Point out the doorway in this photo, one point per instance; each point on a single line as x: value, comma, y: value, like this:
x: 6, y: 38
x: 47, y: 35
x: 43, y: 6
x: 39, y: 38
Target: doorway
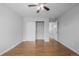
x: 39, y: 34
x: 53, y: 29
x: 39, y: 30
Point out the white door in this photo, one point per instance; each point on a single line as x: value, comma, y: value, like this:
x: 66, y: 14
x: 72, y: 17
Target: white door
x: 53, y: 30
x: 39, y: 29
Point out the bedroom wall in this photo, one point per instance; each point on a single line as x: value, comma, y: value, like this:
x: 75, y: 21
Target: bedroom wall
x: 10, y: 28
x: 69, y: 29
x: 46, y: 28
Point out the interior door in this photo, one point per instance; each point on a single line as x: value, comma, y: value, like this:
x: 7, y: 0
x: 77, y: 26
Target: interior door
x: 39, y: 30
x: 39, y: 34
x: 53, y: 30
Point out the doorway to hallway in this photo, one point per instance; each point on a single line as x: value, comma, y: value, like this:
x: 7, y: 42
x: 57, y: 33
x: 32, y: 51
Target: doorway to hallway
x: 39, y: 30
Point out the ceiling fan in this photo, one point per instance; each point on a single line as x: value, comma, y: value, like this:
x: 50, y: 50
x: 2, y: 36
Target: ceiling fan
x: 40, y: 6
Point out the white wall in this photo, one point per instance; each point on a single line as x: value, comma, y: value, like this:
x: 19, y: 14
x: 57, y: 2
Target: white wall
x: 46, y: 28
x: 30, y: 31
x: 10, y: 28
x: 69, y: 29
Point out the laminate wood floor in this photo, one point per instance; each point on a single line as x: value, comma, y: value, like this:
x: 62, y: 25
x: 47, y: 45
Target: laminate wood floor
x: 40, y: 48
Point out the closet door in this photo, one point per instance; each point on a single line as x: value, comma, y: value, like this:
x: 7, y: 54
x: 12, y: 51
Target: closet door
x: 39, y: 30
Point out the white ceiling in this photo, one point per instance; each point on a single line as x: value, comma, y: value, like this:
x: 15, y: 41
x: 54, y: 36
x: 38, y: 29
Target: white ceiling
x: 56, y: 9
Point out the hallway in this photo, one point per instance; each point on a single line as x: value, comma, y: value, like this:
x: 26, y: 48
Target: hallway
x: 41, y: 48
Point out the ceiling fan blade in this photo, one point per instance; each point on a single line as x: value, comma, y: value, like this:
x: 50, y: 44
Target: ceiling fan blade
x: 46, y: 8
x: 32, y: 5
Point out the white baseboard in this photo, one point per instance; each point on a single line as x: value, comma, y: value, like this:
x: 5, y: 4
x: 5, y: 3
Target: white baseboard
x: 69, y: 47
x: 28, y: 40
x: 23, y: 40
x: 47, y: 40
x: 10, y: 48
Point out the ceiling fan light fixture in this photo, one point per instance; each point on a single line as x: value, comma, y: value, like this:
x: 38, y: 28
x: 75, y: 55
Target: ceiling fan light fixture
x: 40, y: 6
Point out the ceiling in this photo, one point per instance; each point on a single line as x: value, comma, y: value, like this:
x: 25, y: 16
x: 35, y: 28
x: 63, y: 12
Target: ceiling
x: 56, y: 9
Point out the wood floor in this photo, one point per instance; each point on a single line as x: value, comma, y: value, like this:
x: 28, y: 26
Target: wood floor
x: 40, y: 48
